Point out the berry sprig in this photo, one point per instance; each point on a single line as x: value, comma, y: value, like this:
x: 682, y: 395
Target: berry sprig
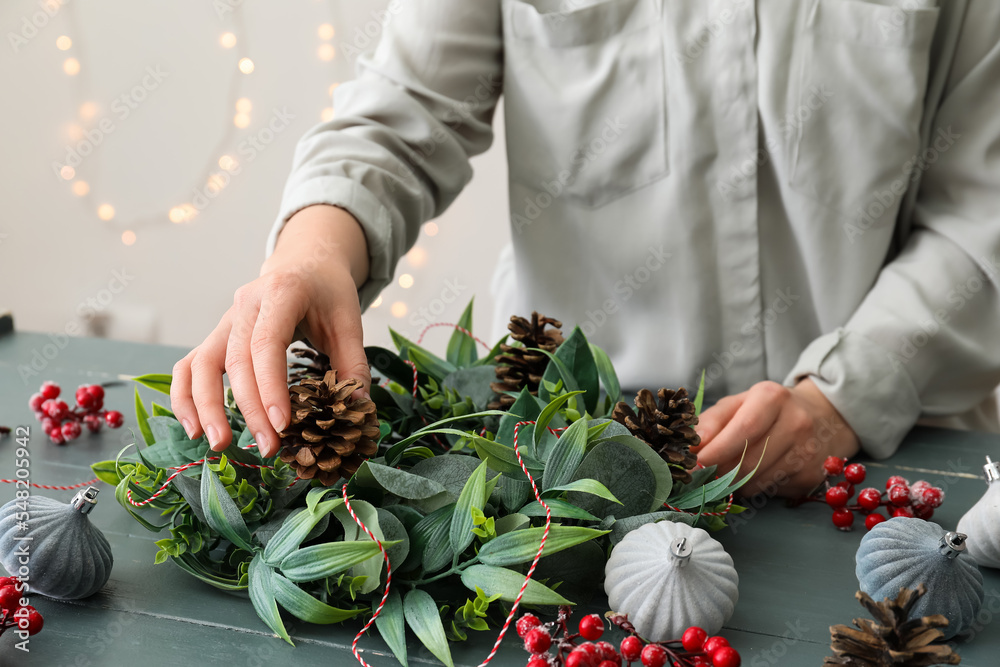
x: 12, y: 614
x: 63, y: 424
x: 900, y: 498
x: 582, y: 648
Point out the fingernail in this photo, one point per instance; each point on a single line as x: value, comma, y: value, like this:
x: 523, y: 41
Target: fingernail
x: 277, y: 419
x: 213, y: 436
x: 188, y: 428
x: 263, y: 442
x: 367, y: 395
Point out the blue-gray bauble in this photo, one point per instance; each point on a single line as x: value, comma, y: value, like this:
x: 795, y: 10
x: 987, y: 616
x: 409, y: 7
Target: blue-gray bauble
x: 903, y: 552
x: 53, y: 546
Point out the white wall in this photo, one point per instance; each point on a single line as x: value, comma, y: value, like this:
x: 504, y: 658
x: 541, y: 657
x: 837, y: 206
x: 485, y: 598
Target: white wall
x: 55, y: 252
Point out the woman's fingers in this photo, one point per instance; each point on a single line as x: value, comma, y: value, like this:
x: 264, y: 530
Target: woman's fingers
x: 181, y: 402
x: 207, y: 367
x: 749, y: 423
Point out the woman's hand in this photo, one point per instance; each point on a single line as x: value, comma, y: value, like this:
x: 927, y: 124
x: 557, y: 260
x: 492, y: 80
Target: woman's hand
x: 800, y: 426
x: 308, y: 287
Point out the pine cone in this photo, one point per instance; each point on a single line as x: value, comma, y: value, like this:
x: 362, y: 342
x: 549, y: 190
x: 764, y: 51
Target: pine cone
x: 309, y: 363
x: 667, y: 427
x: 331, y: 434
x: 517, y: 367
x: 892, y: 639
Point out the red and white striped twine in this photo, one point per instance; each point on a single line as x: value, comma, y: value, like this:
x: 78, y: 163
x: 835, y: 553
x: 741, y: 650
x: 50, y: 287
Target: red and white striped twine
x: 468, y: 333
x: 50, y: 487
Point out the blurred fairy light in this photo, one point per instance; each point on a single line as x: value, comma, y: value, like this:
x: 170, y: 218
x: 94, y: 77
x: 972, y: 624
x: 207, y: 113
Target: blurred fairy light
x: 81, y: 188
x: 68, y: 173
x: 227, y: 40
x: 406, y: 281
x: 176, y: 215
x: 377, y: 302
x: 64, y: 43
x: 241, y: 120
x: 128, y: 237
x: 417, y: 257
x: 431, y: 229
x: 246, y: 65
x: 228, y: 162
x: 327, y: 114
x: 215, y: 183
x: 71, y: 66
x: 326, y: 31
x: 333, y: 87
x: 105, y: 212
x: 326, y: 52
x: 399, y: 309
x: 244, y: 105
x: 88, y: 110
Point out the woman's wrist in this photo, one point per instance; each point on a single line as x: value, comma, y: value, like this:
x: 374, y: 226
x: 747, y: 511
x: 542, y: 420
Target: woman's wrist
x: 324, y: 236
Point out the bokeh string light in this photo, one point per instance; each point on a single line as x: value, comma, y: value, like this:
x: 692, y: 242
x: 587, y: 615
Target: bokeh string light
x: 212, y: 181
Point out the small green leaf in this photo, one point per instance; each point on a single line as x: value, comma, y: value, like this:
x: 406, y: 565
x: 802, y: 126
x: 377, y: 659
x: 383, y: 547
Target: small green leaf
x: 142, y: 419
x: 507, y: 584
x: 511, y: 522
x: 221, y: 512
x: 294, y: 530
x: 106, y: 471
x: 304, y: 606
x: 431, y: 364
x: 261, y: 589
x: 559, y: 508
x: 607, y: 374
x: 390, y: 625
x: 328, y: 559
x: 461, y: 346
x: 575, y: 364
x: 160, y: 411
x: 472, y: 496
x: 371, y: 568
x: 521, y: 546
x: 422, y: 616
x: 591, y: 486
x: 157, y: 381
x: 548, y: 412
x: 699, y: 398
x: 566, y: 455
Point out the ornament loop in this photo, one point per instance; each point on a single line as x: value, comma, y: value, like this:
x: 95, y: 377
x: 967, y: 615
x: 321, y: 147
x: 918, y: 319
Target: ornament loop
x: 952, y: 544
x: 85, y: 500
x: 991, y: 470
x: 681, y: 550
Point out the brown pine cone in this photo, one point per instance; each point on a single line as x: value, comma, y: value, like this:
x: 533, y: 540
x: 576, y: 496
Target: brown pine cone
x: 667, y: 426
x: 517, y: 367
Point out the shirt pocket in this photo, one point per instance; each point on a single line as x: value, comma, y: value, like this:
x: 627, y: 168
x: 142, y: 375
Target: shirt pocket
x: 584, y: 97
x: 855, y: 114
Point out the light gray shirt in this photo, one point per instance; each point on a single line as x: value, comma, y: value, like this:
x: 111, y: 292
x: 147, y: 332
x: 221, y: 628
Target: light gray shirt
x: 765, y: 190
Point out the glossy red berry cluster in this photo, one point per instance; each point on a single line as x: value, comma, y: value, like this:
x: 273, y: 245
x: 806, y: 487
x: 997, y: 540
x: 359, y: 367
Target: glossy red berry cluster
x: 62, y: 423
x: 23, y: 618
x: 583, y: 648
x: 900, y: 498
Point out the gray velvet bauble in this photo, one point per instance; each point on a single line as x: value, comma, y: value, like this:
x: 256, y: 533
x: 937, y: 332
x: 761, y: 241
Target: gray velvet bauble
x: 669, y: 576
x: 982, y: 522
x: 53, y: 546
x: 903, y: 552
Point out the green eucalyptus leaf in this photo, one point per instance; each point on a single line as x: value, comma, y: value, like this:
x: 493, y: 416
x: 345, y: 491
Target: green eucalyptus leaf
x: 395, y: 452
x: 422, y: 616
x: 511, y: 522
x: 394, y: 531
x: 521, y: 546
x: 156, y: 381
x: 606, y: 373
x: 262, y: 596
x: 429, y: 543
x: 659, y: 467
x: 397, y: 482
x: 473, y: 382
x: 390, y: 366
x: 473, y: 496
x: 391, y: 625
x: 575, y: 364
x: 429, y: 363
x: 515, y: 491
x: 566, y: 455
x: 507, y: 584
x: 449, y: 471
x: 559, y: 509
x: 591, y: 486
x: 221, y: 513
x: 621, y: 527
x: 328, y: 559
x: 525, y: 408
x: 462, y: 346
x: 304, y: 606
x: 295, y: 529
x: 166, y: 428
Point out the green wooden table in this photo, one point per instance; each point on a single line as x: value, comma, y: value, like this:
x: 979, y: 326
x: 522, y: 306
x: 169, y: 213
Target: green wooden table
x: 796, y: 570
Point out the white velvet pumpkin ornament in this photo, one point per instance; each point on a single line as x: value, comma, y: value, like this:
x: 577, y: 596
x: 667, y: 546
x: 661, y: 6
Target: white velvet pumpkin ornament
x: 982, y: 522
x: 669, y: 576
x: 68, y: 558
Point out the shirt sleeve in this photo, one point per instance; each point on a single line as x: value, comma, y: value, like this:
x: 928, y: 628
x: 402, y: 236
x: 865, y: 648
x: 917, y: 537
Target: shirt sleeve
x: 925, y: 339
x: 397, y: 152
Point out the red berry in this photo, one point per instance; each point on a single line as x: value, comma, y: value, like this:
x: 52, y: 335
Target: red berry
x: 610, y: 663
x: 537, y: 640
x: 608, y: 652
x: 836, y: 496
x: 35, y: 402
x: 538, y: 661
x: 843, y: 518
x: 855, y: 473
x: 902, y: 511
x: 870, y: 498
x: 899, y: 495
x: 848, y: 486
x: 56, y: 436
x: 713, y: 644
x: 578, y: 657
x: 10, y: 599
x: 50, y: 390
x: 84, y: 399
x: 8, y: 581
x: 917, y: 488
x: 894, y: 480
x: 694, y: 637
x: 114, y: 418
x: 699, y: 661
x: 833, y: 466
x: 932, y: 497
x: 873, y: 520
x: 922, y: 511
x: 56, y: 409
x: 97, y: 391
x: 526, y: 623
x: 726, y: 657
x: 654, y: 655
x: 631, y: 648
x: 71, y: 430
x: 48, y: 424
x: 591, y: 627
x: 93, y: 423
